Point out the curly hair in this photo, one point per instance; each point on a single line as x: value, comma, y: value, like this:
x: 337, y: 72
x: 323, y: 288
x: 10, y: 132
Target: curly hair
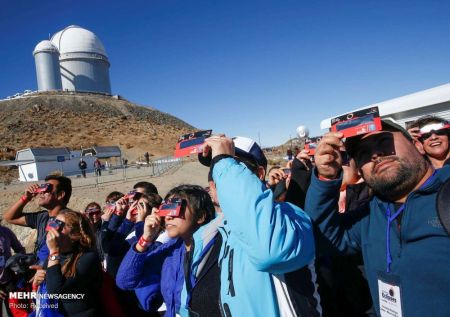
x: 82, y: 235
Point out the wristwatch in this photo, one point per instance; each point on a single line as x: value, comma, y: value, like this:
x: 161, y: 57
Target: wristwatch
x: 54, y: 257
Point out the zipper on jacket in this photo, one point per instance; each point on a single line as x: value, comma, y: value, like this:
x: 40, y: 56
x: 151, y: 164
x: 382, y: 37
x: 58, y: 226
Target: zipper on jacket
x: 230, y: 275
x: 225, y: 248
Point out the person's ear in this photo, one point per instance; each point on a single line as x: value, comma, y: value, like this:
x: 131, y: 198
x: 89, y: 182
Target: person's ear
x: 261, y: 173
x: 419, y: 147
x: 61, y: 195
x: 201, y: 220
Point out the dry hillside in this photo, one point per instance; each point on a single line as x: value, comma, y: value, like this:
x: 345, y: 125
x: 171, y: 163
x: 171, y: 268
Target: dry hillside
x: 74, y: 120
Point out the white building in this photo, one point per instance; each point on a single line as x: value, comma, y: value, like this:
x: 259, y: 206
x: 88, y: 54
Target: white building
x: 435, y: 101
x: 36, y: 163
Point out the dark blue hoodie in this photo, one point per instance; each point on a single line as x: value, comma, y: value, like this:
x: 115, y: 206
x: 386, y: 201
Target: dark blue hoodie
x: 419, y: 246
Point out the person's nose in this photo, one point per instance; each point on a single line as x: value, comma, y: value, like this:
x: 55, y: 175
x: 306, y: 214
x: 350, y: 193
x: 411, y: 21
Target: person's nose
x: 433, y: 136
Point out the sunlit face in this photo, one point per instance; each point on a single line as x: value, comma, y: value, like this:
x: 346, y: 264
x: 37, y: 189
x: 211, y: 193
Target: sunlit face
x: 436, y: 145
x: 183, y: 226
x: 394, y: 176
x: 49, y: 199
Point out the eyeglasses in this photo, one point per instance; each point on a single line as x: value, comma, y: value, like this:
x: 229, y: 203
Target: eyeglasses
x: 380, y: 144
x: 426, y: 136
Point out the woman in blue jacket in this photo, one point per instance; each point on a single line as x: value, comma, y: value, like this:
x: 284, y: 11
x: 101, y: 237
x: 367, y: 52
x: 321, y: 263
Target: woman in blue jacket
x: 146, y: 264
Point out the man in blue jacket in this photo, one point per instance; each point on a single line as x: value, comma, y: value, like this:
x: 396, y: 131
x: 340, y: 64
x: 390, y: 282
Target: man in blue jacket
x: 405, y: 248
x: 267, y: 247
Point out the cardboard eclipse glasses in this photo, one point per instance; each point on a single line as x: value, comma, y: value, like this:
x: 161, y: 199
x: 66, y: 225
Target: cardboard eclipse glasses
x: 172, y: 207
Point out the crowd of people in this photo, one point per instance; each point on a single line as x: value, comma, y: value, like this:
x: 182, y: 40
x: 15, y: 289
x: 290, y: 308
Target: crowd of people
x: 351, y: 231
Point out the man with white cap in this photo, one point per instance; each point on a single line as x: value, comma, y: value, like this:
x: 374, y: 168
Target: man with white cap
x: 268, y: 250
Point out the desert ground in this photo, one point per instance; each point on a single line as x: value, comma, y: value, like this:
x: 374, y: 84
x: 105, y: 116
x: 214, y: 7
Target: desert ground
x: 86, y: 190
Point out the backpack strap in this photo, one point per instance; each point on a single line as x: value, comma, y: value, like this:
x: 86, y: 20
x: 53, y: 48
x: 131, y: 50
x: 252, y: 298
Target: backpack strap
x: 443, y: 205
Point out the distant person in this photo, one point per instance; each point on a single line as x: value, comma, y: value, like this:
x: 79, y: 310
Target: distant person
x: 147, y: 158
x: 53, y: 197
x: 98, y: 167
x: 82, y: 166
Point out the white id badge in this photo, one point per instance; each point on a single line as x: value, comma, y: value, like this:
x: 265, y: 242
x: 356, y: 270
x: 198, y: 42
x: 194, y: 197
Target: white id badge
x: 2, y: 261
x: 389, y: 298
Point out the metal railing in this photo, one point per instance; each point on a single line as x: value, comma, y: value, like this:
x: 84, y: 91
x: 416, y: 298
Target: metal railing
x: 119, y: 173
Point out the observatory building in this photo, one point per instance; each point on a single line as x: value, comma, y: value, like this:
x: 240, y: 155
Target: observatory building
x: 74, y: 60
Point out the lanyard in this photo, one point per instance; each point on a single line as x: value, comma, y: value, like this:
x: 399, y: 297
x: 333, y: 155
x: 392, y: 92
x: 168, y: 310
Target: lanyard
x: 391, y: 218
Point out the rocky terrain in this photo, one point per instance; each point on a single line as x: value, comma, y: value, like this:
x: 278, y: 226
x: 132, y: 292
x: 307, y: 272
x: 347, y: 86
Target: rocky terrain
x: 75, y: 120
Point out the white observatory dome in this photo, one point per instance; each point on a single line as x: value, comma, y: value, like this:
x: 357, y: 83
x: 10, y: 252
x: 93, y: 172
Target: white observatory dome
x: 73, y: 60
x: 75, y: 39
x: 45, y: 46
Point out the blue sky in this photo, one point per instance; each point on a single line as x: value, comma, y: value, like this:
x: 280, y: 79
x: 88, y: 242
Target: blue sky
x: 244, y: 67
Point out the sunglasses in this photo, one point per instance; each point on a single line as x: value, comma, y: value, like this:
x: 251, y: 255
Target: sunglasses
x: 381, y: 144
x: 426, y: 136
x: 92, y: 211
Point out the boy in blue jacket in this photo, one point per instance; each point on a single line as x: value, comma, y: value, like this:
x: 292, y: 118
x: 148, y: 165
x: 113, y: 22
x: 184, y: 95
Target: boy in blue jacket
x: 405, y: 249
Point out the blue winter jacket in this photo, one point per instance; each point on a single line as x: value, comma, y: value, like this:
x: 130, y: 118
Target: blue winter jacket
x: 161, y: 270
x: 261, y: 238
x: 162, y: 266
x: 419, y: 246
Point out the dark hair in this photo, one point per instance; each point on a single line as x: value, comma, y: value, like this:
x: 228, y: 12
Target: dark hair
x: 149, y: 188
x: 198, y: 200
x: 92, y: 204
x: 423, y: 121
x: 114, y: 196
x: 154, y: 200
x: 64, y: 185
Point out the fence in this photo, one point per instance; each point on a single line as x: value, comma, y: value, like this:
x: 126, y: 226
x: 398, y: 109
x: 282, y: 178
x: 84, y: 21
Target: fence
x: 121, y: 173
